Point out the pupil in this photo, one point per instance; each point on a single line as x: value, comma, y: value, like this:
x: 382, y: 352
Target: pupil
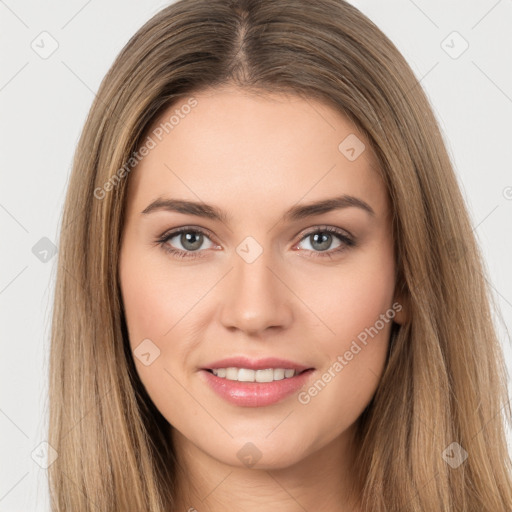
x: 325, y: 243
x: 191, y: 241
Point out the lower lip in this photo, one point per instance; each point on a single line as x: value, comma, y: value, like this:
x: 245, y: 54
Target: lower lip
x: 256, y: 394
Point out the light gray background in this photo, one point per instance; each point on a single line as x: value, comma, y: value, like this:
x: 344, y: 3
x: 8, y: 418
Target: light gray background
x: 44, y: 103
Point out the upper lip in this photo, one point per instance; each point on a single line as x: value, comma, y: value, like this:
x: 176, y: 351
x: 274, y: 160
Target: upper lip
x: 256, y: 364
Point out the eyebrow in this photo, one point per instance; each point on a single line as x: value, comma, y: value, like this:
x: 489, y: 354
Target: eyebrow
x: 295, y: 213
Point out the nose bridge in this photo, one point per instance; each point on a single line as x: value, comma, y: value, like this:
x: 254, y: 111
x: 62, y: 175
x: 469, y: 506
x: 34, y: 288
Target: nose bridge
x: 256, y: 298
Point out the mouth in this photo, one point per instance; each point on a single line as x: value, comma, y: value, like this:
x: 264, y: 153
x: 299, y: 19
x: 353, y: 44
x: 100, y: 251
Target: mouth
x: 246, y: 387
x: 247, y: 382
x: 250, y: 375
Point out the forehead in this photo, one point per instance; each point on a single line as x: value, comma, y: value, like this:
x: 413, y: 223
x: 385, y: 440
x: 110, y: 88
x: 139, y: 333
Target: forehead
x: 248, y: 152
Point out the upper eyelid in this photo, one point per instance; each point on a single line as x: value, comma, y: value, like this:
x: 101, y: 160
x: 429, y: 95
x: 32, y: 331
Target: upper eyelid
x: 320, y: 227
x: 171, y: 233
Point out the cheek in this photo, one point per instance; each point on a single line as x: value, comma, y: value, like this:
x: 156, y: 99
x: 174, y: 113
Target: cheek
x: 350, y: 298
x: 356, y: 305
x: 156, y: 295
x: 164, y: 311
x: 156, y: 301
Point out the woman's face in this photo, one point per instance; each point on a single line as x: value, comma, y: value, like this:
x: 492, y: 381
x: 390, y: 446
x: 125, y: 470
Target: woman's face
x: 240, y: 174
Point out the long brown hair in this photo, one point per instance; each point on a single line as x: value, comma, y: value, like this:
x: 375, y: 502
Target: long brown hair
x: 445, y: 379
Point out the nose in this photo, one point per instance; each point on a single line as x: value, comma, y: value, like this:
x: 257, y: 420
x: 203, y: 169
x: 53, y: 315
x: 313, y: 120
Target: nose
x: 256, y: 297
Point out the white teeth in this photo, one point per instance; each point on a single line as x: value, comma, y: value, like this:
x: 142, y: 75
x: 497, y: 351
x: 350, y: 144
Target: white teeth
x: 248, y: 375
x: 245, y: 375
x: 265, y: 375
x: 232, y: 373
x: 278, y: 374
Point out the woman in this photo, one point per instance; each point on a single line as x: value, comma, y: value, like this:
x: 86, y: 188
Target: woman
x: 270, y: 295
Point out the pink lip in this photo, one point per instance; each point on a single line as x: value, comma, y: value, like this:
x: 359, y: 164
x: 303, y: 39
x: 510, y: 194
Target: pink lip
x: 258, y: 364
x: 255, y: 394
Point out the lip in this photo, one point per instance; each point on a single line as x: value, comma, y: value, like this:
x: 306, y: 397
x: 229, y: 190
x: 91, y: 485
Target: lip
x: 255, y: 364
x: 255, y: 394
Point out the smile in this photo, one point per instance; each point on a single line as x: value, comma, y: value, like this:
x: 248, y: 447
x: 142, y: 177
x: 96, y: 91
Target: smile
x: 252, y: 392
x: 248, y: 375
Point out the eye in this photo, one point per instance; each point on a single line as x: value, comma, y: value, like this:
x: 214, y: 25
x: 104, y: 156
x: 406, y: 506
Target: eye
x: 190, y: 239
x: 321, y: 239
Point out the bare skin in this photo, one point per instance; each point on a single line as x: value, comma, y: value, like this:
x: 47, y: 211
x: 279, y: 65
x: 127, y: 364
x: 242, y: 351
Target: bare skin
x: 255, y: 157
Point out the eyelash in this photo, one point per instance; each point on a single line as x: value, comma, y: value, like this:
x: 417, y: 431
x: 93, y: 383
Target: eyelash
x: 347, y: 242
